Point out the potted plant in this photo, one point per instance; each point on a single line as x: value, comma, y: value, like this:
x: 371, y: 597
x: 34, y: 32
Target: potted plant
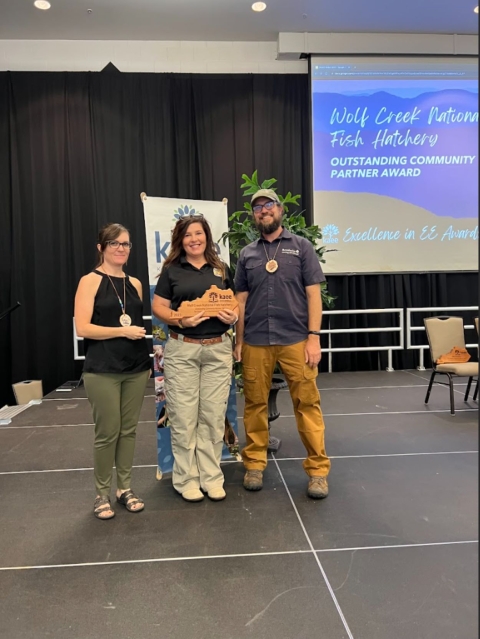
x: 243, y: 231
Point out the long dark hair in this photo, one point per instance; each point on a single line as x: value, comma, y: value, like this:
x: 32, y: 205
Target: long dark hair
x: 179, y: 232
x: 106, y: 234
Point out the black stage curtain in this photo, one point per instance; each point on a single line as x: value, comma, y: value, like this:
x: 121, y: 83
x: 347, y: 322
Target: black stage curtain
x: 77, y: 149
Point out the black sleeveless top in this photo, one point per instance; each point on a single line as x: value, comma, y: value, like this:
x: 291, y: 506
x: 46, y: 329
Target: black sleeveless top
x: 120, y: 354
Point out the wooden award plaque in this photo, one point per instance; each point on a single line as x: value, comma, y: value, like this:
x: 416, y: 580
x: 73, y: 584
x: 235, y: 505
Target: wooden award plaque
x: 211, y: 303
x: 456, y: 356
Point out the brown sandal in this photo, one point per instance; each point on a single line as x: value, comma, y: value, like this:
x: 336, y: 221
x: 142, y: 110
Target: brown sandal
x: 129, y: 499
x: 101, y: 505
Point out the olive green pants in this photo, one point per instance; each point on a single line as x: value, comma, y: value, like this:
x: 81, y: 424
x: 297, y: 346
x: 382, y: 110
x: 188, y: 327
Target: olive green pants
x: 116, y: 401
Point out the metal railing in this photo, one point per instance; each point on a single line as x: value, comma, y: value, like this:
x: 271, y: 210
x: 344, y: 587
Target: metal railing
x: 76, y: 340
x: 328, y: 331
x: 355, y: 349
x: 411, y: 328
x: 405, y: 332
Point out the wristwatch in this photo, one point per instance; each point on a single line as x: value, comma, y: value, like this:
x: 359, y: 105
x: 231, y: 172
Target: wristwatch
x: 314, y: 332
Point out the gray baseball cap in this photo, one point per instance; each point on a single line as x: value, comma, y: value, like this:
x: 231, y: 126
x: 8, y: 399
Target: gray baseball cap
x: 269, y: 193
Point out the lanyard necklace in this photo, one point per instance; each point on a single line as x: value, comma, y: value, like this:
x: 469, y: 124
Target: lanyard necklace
x: 272, y: 264
x: 125, y: 320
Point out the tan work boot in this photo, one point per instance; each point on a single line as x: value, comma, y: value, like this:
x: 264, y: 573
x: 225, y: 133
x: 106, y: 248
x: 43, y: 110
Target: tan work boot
x: 253, y: 480
x: 317, y: 488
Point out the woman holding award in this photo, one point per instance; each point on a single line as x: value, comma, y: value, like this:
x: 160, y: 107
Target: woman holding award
x: 197, y: 359
x: 109, y: 315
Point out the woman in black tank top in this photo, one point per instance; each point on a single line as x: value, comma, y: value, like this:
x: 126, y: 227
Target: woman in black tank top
x: 109, y: 316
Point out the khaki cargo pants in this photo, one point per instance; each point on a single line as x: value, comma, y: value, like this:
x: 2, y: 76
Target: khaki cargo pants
x: 197, y: 386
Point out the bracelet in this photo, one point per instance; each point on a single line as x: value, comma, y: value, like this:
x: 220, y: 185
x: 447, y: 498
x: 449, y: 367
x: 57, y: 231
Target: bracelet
x: 180, y: 323
x: 236, y: 320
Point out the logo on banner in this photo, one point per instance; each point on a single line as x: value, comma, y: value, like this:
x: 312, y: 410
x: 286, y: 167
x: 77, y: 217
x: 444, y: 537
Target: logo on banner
x: 329, y: 232
x: 161, y: 250
x: 182, y: 211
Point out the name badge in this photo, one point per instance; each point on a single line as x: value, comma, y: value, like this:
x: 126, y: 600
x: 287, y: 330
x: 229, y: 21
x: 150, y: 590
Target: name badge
x: 217, y: 272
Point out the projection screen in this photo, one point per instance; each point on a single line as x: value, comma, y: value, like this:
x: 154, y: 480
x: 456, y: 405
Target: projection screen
x: 395, y: 163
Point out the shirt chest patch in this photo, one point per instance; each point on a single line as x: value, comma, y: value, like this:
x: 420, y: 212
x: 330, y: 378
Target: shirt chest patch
x: 293, y: 252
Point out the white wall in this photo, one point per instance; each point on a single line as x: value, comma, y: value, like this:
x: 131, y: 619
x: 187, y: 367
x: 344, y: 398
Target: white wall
x: 218, y: 57
x: 146, y: 57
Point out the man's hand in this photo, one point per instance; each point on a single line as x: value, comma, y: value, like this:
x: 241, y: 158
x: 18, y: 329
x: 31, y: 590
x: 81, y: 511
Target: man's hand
x: 237, y: 352
x: 313, y: 351
x: 228, y: 317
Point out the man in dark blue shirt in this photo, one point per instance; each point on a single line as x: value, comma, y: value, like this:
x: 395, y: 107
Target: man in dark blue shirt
x: 280, y: 311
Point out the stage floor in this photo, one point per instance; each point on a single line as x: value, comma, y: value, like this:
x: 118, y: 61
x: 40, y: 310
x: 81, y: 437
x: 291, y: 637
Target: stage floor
x: 392, y: 553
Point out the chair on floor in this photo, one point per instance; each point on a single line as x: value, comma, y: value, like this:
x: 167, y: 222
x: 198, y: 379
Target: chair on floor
x: 475, y: 393
x: 443, y: 334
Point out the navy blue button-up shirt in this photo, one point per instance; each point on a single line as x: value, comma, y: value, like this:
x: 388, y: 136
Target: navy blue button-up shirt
x: 276, y: 311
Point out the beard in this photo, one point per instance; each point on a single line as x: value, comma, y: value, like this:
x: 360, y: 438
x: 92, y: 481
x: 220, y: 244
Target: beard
x: 268, y: 227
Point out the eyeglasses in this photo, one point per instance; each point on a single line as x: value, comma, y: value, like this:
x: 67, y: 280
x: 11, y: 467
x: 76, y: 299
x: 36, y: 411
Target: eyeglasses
x: 114, y: 244
x: 258, y: 208
x: 181, y: 214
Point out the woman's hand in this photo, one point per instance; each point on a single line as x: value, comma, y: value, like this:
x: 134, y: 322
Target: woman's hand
x: 134, y: 332
x: 228, y: 317
x: 195, y: 320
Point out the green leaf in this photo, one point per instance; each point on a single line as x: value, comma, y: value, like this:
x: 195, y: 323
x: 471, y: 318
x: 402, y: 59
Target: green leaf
x: 267, y: 184
x: 250, y: 184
